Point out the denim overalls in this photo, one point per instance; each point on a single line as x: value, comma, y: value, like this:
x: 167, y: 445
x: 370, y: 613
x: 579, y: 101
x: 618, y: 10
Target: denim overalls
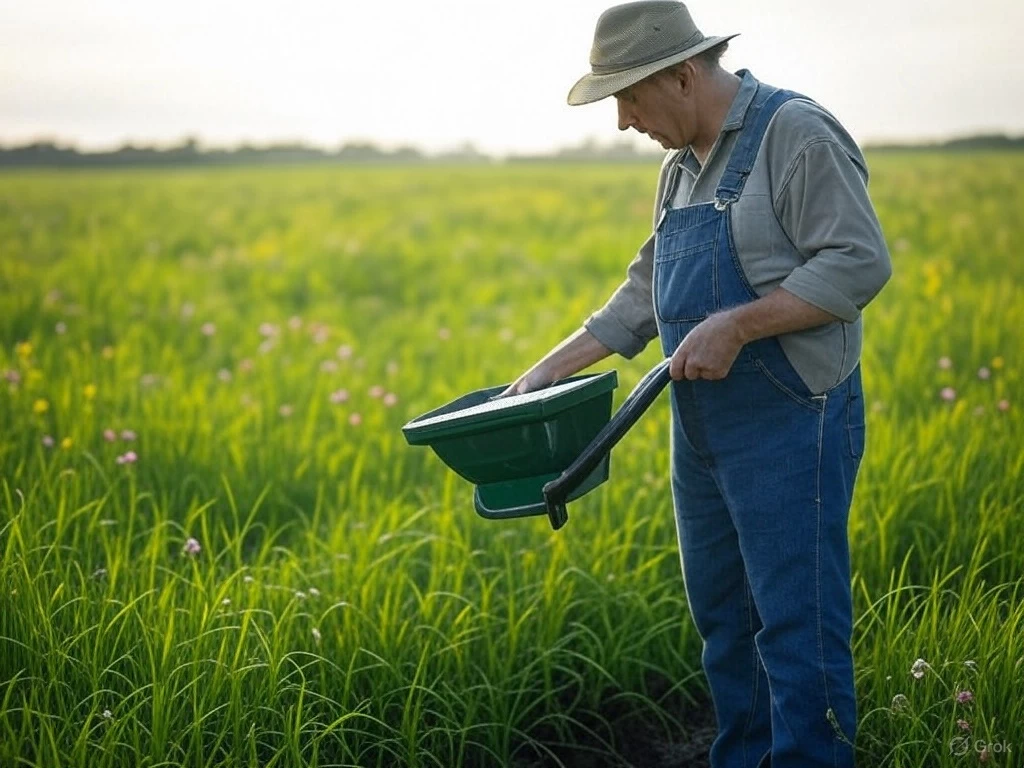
x: 762, y: 478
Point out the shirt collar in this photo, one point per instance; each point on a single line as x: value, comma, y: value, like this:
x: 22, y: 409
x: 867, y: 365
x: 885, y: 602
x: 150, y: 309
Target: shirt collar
x: 738, y: 109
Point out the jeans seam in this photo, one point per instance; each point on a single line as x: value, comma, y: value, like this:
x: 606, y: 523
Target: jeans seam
x: 733, y: 256
x: 685, y: 252
x: 817, y: 567
x: 753, y: 667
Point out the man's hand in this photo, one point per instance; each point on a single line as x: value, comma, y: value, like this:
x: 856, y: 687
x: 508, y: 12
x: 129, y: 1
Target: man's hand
x: 536, y: 378
x: 580, y: 350
x: 709, y: 350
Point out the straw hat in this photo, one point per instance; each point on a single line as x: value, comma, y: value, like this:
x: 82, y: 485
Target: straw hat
x: 635, y: 40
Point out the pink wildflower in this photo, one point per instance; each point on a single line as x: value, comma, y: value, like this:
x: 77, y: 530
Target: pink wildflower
x: 208, y: 329
x: 964, y: 697
x: 191, y: 546
x: 268, y: 329
x: 128, y: 458
x: 376, y: 390
x: 1004, y: 405
x: 285, y: 410
x: 344, y: 352
x: 948, y: 394
x: 224, y: 374
x: 12, y: 376
x: 47, y: 441
x: 245, y: 365
x: 109, y: 435
x: 339, y: 396
x: 984, y: 373
x: 61, y: 328
x: 128, y: 435
x: 295, y: 322
x: 390, y: 399
x: 329, y: 366
x: 945, y: 363
x: 963, y: 725
x: 355, y: 419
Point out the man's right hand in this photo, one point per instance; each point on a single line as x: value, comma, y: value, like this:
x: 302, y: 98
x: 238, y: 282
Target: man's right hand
x: 534, y: 379
x: 578, y: 351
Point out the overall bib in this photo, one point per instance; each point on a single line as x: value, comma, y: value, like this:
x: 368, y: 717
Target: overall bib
x: 763, y: 473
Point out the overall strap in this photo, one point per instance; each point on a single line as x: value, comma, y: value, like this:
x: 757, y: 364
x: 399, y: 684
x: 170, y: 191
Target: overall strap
x: 762, y: 109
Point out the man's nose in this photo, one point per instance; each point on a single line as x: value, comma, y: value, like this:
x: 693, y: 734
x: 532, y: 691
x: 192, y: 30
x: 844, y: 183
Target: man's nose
x: 626, y: 117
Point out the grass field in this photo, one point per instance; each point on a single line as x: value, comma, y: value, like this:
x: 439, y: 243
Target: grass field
x: 216, y: 547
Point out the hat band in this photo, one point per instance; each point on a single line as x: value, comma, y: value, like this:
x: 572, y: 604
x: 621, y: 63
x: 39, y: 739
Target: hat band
x: 608, y: 69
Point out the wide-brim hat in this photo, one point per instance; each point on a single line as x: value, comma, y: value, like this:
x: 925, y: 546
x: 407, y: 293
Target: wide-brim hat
x: 635, y: 40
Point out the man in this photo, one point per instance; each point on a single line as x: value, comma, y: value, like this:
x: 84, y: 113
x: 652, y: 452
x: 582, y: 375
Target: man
x: 765, y: 249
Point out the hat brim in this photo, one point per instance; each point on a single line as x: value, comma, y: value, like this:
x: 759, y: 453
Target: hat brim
x: 591, y: 87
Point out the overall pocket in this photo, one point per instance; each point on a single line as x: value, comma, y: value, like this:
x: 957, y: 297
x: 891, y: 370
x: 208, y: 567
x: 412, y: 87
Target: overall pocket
x: 794, y: 390
x: 684, y: 279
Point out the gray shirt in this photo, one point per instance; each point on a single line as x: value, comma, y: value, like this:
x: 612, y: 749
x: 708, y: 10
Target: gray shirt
x: 804, y: 222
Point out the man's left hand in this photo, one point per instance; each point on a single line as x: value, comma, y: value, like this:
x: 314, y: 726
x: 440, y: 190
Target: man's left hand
x: 709, y: 350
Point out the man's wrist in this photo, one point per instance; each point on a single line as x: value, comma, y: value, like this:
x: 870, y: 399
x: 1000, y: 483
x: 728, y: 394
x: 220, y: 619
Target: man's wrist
x: 739, y: 321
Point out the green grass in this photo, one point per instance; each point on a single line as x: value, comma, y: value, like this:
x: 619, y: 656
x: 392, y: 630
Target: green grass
x: 347, y: 606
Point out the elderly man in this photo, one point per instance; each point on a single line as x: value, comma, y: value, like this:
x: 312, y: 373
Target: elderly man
x: 765, y: 248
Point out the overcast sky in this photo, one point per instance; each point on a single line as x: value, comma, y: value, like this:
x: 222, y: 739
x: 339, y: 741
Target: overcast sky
x: 435, y: 74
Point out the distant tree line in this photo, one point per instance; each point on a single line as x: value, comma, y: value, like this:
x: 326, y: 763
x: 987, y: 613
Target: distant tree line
x: 981, y: 142
x: 188, y: 153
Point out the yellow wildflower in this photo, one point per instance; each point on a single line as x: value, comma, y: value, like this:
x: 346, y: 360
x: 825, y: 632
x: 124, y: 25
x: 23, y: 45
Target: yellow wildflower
x: 40, y: 406
x: 998, y: 362
x: 24, y: 349
x: 108, y: 352
x: 66, y: 443
x: 89, y: 390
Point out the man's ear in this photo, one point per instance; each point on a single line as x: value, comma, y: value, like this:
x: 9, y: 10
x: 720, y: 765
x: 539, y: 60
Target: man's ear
x: 685, y: 75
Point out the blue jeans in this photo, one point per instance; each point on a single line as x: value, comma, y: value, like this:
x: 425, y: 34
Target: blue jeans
x: 762, y: 506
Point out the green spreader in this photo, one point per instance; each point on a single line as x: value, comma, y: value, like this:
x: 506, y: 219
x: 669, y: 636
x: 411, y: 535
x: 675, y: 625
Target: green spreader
x: 531, y: 454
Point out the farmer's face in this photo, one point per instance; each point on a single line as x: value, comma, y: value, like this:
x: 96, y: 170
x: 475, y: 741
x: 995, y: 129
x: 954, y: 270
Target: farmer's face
x: 662, y: 106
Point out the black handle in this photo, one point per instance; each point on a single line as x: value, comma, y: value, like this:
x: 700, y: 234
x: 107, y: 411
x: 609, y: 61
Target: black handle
x: 646, y: 392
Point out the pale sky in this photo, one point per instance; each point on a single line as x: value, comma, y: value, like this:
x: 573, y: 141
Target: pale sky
x: 435, y: 74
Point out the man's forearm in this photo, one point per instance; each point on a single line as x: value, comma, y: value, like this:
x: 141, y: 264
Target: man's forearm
x: 777, y: 313
x: 576, y: 352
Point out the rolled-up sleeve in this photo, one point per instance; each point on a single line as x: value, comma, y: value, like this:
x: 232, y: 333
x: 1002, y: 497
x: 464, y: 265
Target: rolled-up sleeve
x: 823, y: 206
